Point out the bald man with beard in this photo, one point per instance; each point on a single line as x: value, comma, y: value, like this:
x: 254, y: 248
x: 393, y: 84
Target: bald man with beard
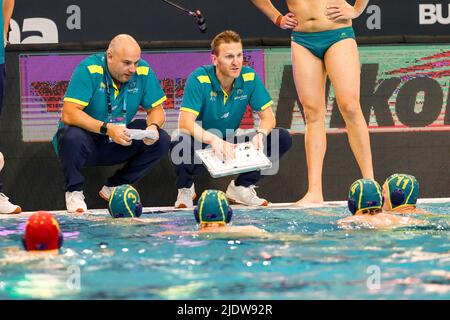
x: 103, y: 97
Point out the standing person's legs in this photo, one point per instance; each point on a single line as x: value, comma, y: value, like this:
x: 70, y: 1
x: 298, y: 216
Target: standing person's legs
x: 5, y: 206
x: 310, y: 80
x: 346, y: 84
x: 2, y: 85
x: 2, y: 163
x: 2, y: 93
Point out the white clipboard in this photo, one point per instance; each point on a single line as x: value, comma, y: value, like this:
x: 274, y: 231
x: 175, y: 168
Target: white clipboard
x: 247, y: 159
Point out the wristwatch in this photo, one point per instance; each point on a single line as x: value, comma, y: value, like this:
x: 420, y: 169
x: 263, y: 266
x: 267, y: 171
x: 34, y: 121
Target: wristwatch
x: 103, y: 128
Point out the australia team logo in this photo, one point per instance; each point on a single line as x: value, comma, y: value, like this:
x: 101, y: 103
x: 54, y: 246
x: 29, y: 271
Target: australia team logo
x: 132, y: 87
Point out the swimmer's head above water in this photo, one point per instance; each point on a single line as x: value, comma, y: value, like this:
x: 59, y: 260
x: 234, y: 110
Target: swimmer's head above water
x: 125, y: 202
x: 365, y: 197
x: 42, y: 233
x: 400, y: 191
x: 213, y: 209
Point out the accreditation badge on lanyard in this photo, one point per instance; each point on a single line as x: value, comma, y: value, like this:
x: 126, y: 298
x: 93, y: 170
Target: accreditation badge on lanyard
x: 121, y: 120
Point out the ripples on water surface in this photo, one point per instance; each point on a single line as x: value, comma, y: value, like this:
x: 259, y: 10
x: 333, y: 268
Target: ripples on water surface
x: 306, y: 257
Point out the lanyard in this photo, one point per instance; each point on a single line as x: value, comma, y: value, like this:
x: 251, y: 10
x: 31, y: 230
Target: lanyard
x: 108, y: 100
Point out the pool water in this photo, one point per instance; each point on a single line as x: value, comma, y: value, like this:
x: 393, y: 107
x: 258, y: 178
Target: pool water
x: 307, y: 256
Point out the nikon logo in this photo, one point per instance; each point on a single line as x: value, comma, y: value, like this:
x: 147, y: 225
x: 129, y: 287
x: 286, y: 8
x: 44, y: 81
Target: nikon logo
x: 432, y: 14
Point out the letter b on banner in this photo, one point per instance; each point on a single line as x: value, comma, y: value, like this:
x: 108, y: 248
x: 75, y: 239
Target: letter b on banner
x: 432, y: 13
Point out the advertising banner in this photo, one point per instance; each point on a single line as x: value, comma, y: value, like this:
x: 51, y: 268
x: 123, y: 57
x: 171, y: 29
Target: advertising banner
x: 64, y: 21
x: 403, y: 89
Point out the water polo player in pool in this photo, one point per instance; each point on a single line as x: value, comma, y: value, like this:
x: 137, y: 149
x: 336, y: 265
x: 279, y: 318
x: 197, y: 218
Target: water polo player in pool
x: 365, y: 202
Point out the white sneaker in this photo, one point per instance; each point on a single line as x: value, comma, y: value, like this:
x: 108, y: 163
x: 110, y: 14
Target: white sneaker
x: 7, y: 207
x: 244, y: 195
x: 185, y: 198
x: 106, y: 192
x: 75, y: 202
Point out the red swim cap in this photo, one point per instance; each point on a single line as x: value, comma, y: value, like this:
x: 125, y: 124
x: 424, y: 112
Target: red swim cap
x: 42, y: 232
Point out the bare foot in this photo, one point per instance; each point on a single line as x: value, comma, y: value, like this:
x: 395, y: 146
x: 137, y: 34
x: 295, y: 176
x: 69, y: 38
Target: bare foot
x: 310, y: 198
